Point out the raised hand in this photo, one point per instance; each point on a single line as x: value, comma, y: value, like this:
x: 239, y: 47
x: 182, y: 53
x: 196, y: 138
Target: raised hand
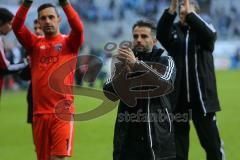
x: 173, y: 6
x: 126, y: 54
x: 63, y: 2
x: 189, y: 8
x: 186, y: 5
x: 27, y: 3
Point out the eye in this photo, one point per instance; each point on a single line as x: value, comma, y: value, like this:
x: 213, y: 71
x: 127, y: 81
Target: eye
x: 42, y: 18
x: 144, y: 36
x: 135, y: 36
x: 51, y: 17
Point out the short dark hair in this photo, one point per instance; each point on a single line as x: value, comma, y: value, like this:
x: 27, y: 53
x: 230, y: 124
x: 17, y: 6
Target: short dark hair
x: 5, y: 16
x: 47, y: 5
x: 146, y: 23
x: 194, y: 3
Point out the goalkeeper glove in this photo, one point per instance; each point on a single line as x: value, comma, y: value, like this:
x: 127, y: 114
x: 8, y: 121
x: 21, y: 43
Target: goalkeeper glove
x: 63, y: 2
x: 27, y: 3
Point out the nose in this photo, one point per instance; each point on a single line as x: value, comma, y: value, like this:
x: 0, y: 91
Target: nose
x: 139, y: 39
x: 47, y: 20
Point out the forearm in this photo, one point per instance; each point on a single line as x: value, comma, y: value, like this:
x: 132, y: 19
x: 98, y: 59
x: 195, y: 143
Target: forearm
x: 20, y: 17
x: 13, y: 68
x: 73, y: 19
x: 160, y: 71
x: 25, y: 74
x: 76, y: 36
x: 201, y: 27
x: 6, y: 72
x: 164, y: 27
x: 109, y: 91
x: 16, y: 67
x: 23, y: 35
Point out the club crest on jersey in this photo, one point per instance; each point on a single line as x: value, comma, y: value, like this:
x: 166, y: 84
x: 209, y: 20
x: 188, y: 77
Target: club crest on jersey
x: 58, y: 47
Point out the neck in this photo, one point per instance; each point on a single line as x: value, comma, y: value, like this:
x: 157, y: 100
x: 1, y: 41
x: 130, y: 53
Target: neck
x: 51, y: 35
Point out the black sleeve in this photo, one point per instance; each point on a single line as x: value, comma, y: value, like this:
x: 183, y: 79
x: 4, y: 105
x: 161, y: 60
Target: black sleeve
x: 170, y: 73
x: 108, y: 87
x: 206, y: 32
x: 165, y: 73
x: 109, y: 91
x: 13, y: 68
x: 164, y: 29
x: 25, y: 74
x: 6, y: 72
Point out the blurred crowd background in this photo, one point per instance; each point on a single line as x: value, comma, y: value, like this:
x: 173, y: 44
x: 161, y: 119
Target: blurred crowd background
x: 111, y: 20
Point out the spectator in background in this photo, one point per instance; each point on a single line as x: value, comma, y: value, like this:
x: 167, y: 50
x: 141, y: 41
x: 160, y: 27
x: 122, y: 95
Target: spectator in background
x: 37, y: 28
x: 235, y: 63
x: 234, y: 28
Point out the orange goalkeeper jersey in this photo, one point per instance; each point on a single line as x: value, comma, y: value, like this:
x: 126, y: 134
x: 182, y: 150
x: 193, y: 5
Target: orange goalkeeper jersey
x: 47, y: 55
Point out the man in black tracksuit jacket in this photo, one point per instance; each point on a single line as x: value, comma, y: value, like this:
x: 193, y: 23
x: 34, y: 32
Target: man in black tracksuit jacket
x: 142, y: 132
x: 191, y: 42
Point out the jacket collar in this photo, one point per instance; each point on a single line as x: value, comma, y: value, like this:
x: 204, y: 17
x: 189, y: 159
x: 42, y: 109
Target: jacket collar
x: 156, y: 52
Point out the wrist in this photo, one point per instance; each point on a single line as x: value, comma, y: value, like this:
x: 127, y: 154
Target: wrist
x: 172, y: 10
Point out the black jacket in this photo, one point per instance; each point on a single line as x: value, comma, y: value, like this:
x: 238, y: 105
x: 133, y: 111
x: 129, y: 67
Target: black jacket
x: 159, y: 135
x: 191, y: 48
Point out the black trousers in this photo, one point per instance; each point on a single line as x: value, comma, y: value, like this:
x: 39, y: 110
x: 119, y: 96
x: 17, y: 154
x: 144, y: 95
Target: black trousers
x: 136, y: 148
x: 206, y: 128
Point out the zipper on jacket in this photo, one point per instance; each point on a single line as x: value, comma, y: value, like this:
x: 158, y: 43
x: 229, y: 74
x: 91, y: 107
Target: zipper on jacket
x: 187, y: 67
x: 149, y: 129
x: 198, y: 85
x: 170, y: 123
x: 168, y: 115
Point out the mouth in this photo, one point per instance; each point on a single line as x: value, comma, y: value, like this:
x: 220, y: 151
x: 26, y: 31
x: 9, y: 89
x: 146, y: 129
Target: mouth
x: 48, y: 27
x: 139, y: 46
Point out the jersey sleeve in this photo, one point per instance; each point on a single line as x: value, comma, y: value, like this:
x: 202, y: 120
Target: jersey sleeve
x: 24, y: 36
x: 76, y: 36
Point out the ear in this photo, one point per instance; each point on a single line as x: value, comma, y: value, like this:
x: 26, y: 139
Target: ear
x: 11, y: 21
x: 155, y: 41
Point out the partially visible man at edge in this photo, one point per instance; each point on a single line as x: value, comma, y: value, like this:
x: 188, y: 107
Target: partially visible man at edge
x: 5, y: 27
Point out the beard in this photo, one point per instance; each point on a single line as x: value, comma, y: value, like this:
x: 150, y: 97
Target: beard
x: 49, y: 30
x: 141, y: 48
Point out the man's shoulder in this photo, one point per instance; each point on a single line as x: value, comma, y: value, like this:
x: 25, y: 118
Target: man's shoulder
x: 166, y: 60
x: 160, y: 54
x: 157, y: 52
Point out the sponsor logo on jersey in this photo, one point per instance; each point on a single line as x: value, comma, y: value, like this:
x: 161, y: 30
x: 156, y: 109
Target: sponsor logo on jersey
x: 43, y: 47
